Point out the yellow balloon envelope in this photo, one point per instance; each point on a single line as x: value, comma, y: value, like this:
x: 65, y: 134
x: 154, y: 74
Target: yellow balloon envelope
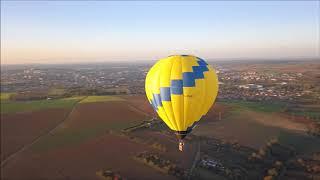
x: 181, y: 89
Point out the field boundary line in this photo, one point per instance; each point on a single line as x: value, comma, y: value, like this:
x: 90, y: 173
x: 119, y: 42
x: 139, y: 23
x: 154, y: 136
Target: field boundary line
x: 138, y: 110
x: 37, y: 139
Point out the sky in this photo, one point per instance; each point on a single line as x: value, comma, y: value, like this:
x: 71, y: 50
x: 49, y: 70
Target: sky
x: 98, y: 31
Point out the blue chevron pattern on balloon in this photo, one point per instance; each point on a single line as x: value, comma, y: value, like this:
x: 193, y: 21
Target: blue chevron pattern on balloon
x: 188, y: 80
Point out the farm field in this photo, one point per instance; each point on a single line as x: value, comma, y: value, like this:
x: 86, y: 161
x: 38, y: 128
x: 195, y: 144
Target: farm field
x: 23, y: 122
x: 90, y: 134
x: 90, y: 120
x: 310, y: 110
x: 252, y: 125
x: 18, y: 129
x: 140, y: 102
x: 90, y: 139
x: 83, y: 160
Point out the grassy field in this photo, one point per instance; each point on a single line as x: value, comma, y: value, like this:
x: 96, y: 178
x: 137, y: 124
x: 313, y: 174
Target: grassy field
x: 18, y: 106
x: 56, y: 91
x: 256, y: 106
x: 310, y: 111
x: 93, y: 99
x: 5, y: 96
x: 8, y: 106
x: 301, y: 143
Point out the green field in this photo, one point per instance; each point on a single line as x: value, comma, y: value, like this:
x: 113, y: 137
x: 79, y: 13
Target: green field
x: 309, y: 111
x: 92, y: 99
x: 56, y: 91
x: 21, y: 106
x: 8, y: 106
x: 302, y: 143
x: 256, y: 106
x: 5, y: 96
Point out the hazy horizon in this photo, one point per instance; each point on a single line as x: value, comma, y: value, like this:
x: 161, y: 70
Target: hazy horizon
x: 85, y: 32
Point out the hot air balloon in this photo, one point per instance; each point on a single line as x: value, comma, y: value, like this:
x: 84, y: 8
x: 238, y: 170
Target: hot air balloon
x: 181, y: 89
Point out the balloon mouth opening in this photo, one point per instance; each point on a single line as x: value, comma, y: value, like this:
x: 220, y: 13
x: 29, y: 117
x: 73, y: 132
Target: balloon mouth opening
x: 182, y: 134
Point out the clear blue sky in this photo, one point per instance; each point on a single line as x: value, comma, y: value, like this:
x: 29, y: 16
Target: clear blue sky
x: 72, y: 31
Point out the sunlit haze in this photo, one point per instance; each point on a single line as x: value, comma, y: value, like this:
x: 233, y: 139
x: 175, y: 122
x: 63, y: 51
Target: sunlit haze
x: 83, y: 31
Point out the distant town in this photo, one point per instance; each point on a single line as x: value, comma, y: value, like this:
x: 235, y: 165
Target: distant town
x: 264, y: 85
x: 235, y: 83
